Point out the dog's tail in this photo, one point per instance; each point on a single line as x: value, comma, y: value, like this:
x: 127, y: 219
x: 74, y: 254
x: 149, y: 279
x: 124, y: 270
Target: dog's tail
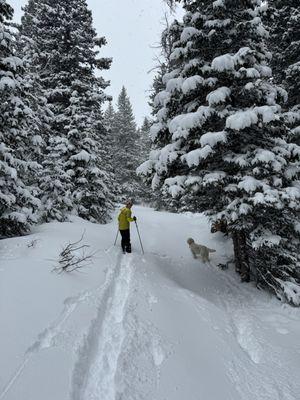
x: 211, y: 250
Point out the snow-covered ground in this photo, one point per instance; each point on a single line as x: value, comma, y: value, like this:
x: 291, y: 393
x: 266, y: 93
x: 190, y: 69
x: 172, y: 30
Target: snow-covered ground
x: 162, y: 326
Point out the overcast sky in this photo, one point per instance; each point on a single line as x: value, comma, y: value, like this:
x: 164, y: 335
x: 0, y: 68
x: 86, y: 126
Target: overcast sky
x: 132, y: 29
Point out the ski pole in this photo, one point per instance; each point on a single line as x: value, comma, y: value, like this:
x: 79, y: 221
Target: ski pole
x: 137, y: 228
x: 116, y: 237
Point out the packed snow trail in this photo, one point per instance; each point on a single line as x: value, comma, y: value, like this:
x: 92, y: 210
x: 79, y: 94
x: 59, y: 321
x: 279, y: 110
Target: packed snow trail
x: 112, y: 340
x: 134, y: 327
x: 98, y: 359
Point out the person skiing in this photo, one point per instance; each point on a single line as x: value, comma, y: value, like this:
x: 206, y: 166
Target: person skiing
x: 124, y: 219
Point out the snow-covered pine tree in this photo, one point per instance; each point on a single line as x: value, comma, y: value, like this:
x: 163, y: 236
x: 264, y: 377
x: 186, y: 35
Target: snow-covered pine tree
x: 144, y: 133
x: 144, y: 147
x: 109, y: 118
x: 92, y: 192
x: 17, y: 203
x: 109, y: 124
x: 107, y: 153
x: 67, y: 59
x: 284, y: 20
x: 42, y: 26
x: 55, y: 182
x: 170, y: 35
x: 220, y: 140
x: 40, y: 124
x: 126, y: 147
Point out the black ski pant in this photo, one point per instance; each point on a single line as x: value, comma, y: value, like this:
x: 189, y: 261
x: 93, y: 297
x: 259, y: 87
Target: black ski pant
x: 126, y: 245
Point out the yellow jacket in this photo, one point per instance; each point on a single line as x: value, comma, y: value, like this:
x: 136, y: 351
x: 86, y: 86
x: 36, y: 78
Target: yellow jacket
x: 124, y: 219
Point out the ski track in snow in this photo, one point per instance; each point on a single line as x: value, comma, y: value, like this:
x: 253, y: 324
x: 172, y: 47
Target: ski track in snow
x: 143, y: 353
x: 47, y: 338
x: 120, y: 355
x: 118, y: 351
x: 94, y: 373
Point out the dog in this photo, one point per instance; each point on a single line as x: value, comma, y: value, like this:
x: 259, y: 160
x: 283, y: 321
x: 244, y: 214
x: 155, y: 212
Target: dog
x: 200, y: 251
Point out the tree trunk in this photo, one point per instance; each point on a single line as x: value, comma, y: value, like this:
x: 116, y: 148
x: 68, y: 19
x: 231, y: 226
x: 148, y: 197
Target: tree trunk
x: 242, y: 265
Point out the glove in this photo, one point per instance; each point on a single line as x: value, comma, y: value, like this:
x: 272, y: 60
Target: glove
x: 134, y: 218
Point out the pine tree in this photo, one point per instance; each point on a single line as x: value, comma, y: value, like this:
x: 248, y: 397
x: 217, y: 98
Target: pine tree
x: 66, y: 60
x: 220, y: 140
x: 126, y: 145
x: 284, y: 20
x: 31, y: 53
x: 144, y: 133
x: 109, y: 118
x: 145, y: 193
x: 17, y: 202
x: 91, y: 192
x: 40, y: 127
x: 170, y: 35
x: 43, y: 26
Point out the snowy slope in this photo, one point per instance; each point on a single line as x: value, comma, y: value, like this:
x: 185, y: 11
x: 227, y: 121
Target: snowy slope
x: 162, y: 326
